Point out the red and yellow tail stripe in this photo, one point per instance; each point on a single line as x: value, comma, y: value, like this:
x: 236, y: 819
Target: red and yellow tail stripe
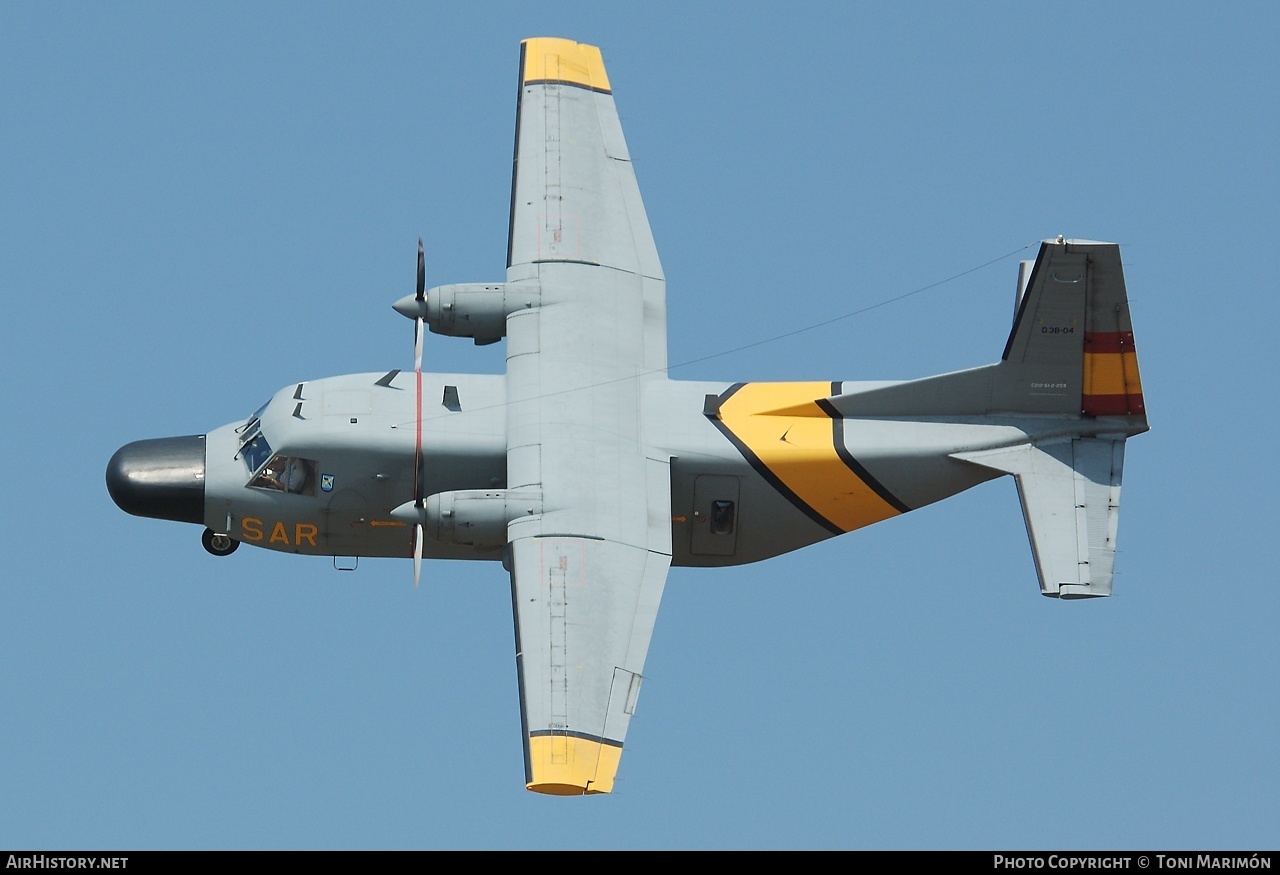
x: 1111, y: 382
x: 795, y: 440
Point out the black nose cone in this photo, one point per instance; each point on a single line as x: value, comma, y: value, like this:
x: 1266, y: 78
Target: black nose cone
x: 161, y: 478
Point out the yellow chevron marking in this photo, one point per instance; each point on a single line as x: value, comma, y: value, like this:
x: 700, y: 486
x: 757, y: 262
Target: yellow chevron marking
x: 563, y: 60
x: 794, y: 439
x: 561, y: 765
x: 1111, y: 373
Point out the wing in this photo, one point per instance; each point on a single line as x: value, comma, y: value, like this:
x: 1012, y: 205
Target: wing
x: 587, y: 573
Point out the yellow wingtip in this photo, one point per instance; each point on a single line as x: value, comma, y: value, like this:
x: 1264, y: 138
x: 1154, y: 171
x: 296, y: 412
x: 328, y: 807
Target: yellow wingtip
x: 553, y: 59
x: 562, y: 765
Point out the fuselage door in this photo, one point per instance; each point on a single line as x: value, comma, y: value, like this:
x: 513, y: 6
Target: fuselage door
x: 346, y: 523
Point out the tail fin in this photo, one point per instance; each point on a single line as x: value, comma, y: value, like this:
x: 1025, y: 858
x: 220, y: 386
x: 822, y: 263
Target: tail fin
x: 1071, y: 348
x: 1070, y: 352
x: 1070, y: 365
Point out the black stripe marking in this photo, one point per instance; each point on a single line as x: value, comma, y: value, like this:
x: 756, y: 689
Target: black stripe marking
x: 837, y: 435
x: 763, y: 470
x: 567, y: 82
x: 569, y: 535
x: 515, y: 157
x: 564, y: 261
x: 509, y: 561
x: 1022, y: 307
x: 730, y: 392
x: 585, y: 736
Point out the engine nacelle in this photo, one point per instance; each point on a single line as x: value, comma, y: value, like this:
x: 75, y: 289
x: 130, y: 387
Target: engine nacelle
x: 475, y: 310
x: 471, y: 517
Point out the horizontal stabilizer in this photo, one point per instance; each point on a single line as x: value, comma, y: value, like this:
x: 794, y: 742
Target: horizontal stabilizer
x: 1070, y: 493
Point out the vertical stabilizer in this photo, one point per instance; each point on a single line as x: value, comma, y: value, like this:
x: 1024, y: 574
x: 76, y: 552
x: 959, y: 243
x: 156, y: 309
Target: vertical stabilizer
x: 1071, y: 348
x: 1070, y: 352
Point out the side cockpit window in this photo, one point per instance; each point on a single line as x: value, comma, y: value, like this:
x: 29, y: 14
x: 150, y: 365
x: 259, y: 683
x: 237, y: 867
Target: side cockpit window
x: 255, y: 451
x: 274, y: 471
x: 254, y: 418
x: 287, y: 474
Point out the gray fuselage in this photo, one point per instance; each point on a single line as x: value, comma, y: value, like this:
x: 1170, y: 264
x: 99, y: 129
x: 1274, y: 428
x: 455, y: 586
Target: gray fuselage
x: 348, y: 444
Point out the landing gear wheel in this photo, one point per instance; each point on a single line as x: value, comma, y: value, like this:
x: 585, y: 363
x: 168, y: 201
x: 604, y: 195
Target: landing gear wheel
x: 218, y: 545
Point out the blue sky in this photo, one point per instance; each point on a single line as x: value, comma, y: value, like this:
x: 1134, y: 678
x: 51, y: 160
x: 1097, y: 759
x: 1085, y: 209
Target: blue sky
x: 202, y: 203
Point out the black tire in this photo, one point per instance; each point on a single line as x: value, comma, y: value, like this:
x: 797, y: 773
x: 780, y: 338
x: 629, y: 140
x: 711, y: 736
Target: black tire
x: 218, y: 545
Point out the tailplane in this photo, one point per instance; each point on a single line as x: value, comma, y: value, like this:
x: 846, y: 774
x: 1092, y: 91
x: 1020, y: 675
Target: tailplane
x: 1070, y: 493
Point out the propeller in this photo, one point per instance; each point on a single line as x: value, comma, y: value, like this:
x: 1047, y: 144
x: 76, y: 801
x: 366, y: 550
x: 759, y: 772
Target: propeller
x: 415, y: 307
x: 419, y: 484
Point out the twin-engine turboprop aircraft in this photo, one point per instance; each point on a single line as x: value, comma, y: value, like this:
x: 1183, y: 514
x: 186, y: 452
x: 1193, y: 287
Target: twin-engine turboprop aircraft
x: 588, y: 472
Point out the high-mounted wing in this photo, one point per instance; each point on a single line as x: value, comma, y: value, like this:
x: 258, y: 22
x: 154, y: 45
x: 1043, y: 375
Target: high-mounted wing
x: 587, y: 572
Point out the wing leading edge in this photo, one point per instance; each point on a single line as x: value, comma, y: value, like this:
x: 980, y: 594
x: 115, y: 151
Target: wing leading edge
x: 587, y: 572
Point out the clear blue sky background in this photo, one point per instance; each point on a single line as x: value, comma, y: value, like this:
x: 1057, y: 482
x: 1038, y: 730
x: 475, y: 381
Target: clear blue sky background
x: 201, y: 203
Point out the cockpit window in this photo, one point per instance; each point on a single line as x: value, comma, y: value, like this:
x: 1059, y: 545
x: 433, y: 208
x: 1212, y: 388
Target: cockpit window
x: 287, y: 474
x: 255, y: 452
x: 250, y: 426
x: 256, y: 415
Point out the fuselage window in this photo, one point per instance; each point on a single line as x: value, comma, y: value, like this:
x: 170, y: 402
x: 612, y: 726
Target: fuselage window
x: 287, y: 474
x: 723, y: 516
x: 255, y: 452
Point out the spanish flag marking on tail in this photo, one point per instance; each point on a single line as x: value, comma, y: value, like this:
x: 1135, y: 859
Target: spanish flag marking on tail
x: 1111, y: 383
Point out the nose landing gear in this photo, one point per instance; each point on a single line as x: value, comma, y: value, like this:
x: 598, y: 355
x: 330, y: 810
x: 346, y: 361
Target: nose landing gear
x: 217, y: 544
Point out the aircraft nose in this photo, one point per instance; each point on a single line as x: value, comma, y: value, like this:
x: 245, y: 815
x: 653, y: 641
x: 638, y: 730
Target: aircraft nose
x: 162, y: 478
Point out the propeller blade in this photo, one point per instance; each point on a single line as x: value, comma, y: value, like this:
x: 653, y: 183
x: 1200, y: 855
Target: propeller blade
x: 417, y: 554
x: 422, y: 273
x: 419, y: 480
x: 417, y: 345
